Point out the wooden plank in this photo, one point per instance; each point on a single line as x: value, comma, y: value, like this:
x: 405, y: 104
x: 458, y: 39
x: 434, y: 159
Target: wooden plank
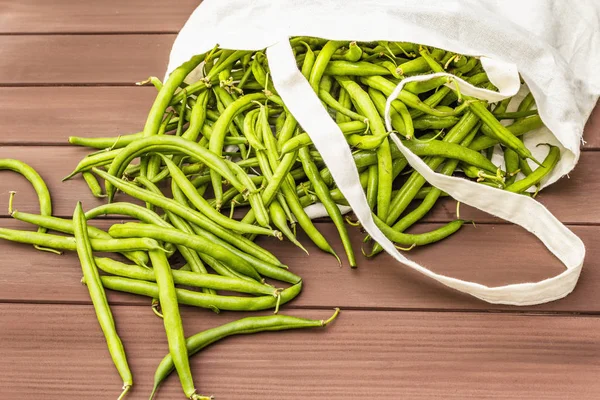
x: 568, y: 199
x: 49, y: 115
x: 489, y: 254
x: 82, y: 59
x: 68, y: 16
x: 383, y: 355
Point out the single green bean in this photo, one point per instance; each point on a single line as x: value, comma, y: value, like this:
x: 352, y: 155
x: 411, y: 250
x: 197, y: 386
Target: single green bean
x: 243, y: 326
x: 98, y: 297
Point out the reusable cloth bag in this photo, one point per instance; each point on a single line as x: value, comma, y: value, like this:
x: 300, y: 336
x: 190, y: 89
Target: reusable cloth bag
x: 554, y: 44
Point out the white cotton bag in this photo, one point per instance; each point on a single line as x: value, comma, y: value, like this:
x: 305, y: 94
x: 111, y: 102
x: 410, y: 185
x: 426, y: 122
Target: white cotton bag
x: 553, y: 44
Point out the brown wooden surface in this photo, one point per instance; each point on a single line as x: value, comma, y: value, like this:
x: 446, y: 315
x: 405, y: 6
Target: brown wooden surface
x: 68, y: 68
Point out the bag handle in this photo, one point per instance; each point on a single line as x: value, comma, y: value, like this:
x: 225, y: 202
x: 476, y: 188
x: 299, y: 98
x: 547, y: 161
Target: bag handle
x: 306, y: 107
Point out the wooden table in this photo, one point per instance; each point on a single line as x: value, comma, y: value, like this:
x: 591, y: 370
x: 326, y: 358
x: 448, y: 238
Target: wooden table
x: 68, y: 67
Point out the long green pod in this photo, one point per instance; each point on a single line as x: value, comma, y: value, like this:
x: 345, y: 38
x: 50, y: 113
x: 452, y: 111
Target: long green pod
x: 518, y: 128
x: 67, y: 226
x: 408, y: 98
x: 69, y: 243
x: 202, y: 205
x: 322, y: 192
x: 98, y: 159
x: 243, y: 326
x: 175, y: 236
x: 166, y: 294
x: 43, y: 194
x: 359, y: 68
x: 280, y: 221
x: 173, y: 145
x: 405, y: 195
x: 384, y: 155
x: 220, y: 129
x: 267, y: 264
x: 192, y: 216
x: 166, y: 93
x: 321, y: 62
x: 187, y: 278
x: 499, y: 131
x: 203, y: 300
x: 450, y: 150
x: 538, y: 174
x: 98, y: 297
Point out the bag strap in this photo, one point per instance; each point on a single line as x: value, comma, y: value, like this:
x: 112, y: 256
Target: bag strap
x: 306, y: 107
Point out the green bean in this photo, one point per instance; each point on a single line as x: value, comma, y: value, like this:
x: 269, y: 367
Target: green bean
x: 187, y: 278
x: 372, y: 186
x: 166, y: 293
x: 516, y: 114
x: 353, y: 53
x: 260, y: 75
x: 117, y: 142
x: 527, y: 103
x: 243, y: 326
x: 39, y: 186
x: 280, y: 221
x: 98, y: 297
x: 154, y: 164
x: 538, y: 174
x: 219, y: 133
x: 225, y: 63
x: 168, y: 144
x: 499, y: 131
x: 430, y: 199
x: 197, y: 243
x: 321, y: 62
x: 324, y: 196
x: 384, y: 155
x: 409, y: 99
x: 450, y: 150
x: 99, y: 159
x: 69, y: 243
x: 524, y: 167
x: 193, y: 216
x: 391, y: 67
x: 359, y: 68
x: 254, y: 197
x: 249, y: 123
x: 421, y: 239
x: 416, y: 181
x: 511, y: 160
x: 66, y: 226
x: 333, y: 103
x: 429, y: 122
x: 166, y: 94
x: 202, y: 205
x: 344, y: 101
x: 401, y: 119
x: 347, y: 128
x: 93, y: 184
x: 517, y: 128
x: 415, y: 66
x: 279, y: 122
x: 203, y: 300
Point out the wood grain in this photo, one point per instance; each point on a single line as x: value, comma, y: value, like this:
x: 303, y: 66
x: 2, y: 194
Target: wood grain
x: 490, y: 254
x: 49, y: 115
x: 59, y: 351
x: 86, y: 59
x: 68, y: 16
x: 568, y: 199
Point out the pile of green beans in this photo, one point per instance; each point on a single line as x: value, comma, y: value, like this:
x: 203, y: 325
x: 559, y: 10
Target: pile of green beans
x: 227, y: 143
x: 221, y: 161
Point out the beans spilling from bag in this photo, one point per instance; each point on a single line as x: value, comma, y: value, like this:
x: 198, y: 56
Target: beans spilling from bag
x: 221, y: 161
